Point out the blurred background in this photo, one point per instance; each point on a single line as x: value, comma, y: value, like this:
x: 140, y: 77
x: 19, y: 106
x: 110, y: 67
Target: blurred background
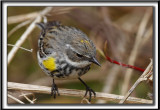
x: 116, y: 31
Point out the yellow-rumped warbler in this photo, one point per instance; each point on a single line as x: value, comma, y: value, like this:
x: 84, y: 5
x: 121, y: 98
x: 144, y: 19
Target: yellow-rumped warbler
x: 65, y: 53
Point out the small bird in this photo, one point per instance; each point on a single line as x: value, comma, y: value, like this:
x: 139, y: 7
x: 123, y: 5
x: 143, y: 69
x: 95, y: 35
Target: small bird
x: 65, y: 53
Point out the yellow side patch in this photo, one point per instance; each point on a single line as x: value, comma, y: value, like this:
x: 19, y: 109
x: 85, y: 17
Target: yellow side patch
x: 49, y: 63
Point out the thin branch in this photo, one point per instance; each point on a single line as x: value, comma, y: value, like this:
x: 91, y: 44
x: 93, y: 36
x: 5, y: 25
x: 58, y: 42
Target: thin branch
x: 73, y: 92
x: 21, y: 48
x: 60, y: 10
x: 84, y: 99
x: 23, y: 17
x: 18, y: 27
x: 29, y: 100
x: 26, y: 33
x: 143, y: 77
x: 17, y: 100
x: 22, y: 39
x: 134, y: 52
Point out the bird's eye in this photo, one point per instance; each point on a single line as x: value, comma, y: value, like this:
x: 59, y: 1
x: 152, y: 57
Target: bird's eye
x: 80, y: 56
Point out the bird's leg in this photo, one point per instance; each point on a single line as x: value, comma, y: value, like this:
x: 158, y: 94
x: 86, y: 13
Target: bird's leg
x: 88, y: 89
x: 54, y: 89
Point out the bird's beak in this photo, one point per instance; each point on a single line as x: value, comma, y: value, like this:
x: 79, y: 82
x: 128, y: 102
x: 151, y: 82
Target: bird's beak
x: 94, y: 60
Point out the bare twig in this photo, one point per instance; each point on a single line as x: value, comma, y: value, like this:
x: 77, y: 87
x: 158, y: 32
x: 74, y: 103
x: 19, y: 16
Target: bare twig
x: 17, y: 100
x: 18, y: 26
x: 29, y: 100
x: 24, y: 17
x: 84, y: 99
x: 21, y: 48
x: 143, y: 77
x: 134, y: 52
x: 20, y: 18
x: 60, y: 10
x: 73, y: 92
x: 22, y: 39
x: 26, y: 33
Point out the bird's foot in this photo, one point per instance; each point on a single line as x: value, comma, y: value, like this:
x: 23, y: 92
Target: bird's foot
x: 54, y: 90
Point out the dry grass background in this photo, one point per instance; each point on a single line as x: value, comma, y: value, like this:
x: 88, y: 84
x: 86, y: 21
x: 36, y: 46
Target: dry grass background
x: 123, y: 33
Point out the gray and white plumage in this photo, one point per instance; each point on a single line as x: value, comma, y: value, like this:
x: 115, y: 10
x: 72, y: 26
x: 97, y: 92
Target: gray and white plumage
x: 72, y: 50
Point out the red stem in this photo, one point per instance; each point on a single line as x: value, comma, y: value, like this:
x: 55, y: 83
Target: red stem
x: 124, y: 65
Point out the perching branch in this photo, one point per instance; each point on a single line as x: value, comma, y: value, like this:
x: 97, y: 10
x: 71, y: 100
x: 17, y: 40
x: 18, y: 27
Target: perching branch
x: 73, y: 92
